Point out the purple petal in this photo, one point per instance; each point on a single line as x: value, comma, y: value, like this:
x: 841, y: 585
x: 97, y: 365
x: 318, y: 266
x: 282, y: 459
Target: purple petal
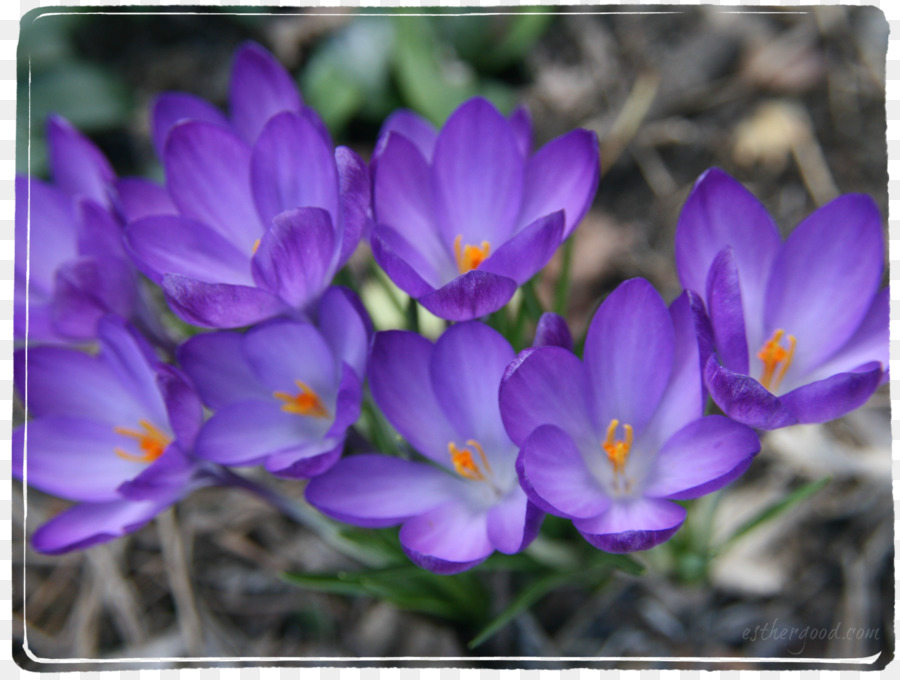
x: 411, y: 126
x: 293, y: 167
x: 628, y: 354
x: 99, y: 232
x: 833, y: 397
x: 634, y: 524
x: 355, y: 199
x: 78, y: 167
x: 478, y: 173
x: 704, y: 456
x: 208, y: 178
x: 89, y: 288
x: 218, y: 369
x: 405, y: 266
x: 743, y: 399
x: 553, y: 330
x: 546, y: 386
x: 172, y: 244
x: 825, y: 277
x: 182, y: 404
x: 720, y: 213
x: 447, y: 539
x: 171, y: 108
x: 344, y: 324
x: 469, y: 296
x: 48, y: 232
x: 562, y: 175
x: 556, y: 471
x: 218, y: 305
x: 295, y: 256
x: 528, y: 251
x: 172, y: 474
x: 726, y: 313
x: 520, y: 122
x: 400, y: 380
x: 139, y: 198
x: 40, y: 327
x: 260, y: 88
x: 508, y: 522
x: 378, y: 491
x: 306, y: 461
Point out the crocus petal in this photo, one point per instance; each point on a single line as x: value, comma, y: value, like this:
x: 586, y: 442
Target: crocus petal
x: 405, y: 266
x: 345, y: 325
x: 172, y: 474
x: 636, y: 524
x: 99, y: 231
x: 218, y: 305
x: 547, y: 386
x: 413, y: 127
x: 825, y: 277
x: 520, y: 122
x: 171, y: 108
x: 720, y: 212
x: 45, y: 231
x: 743, y: 399
x: 208, y: 177
x: 726, y: 313
x: 371, y: 490
x: 447, y: 539
x: 628, y: 354
x: 293, y: 167
x: 556, y: 471
x: 79, y: 168
x: 510, y: 522
x: 562, y: 175
x: 294, y: 256
x: 172, y: 244
x: 355, y: 198
x: 522, y: 256
x: 704, y: 456
x: 833, y: 397
x: 470, y: 296
x: 137, y: 198
x: 553, y: 330
x: 260, y: 88
x: 40, y: 327
x: 89, y: 288
x: 305, y: 461
x: 183, y: 406
x: 400, y: 380
x: 477, y: 178
x: 218, y: 369
x: 85, y: 525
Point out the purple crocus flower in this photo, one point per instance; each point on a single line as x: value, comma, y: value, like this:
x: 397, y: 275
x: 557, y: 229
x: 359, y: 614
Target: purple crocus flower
x: 285, y: 392
x: 612, y: 441
x: 466, y: 501
x: 800, y: 326
x: 465, y: 216
x: 112, y: 432
x: 263, y: 210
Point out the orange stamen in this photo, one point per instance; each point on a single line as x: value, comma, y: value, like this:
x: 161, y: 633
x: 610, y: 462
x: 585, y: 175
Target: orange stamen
x: 617, y: 450
x: 470, y: 257
x: 304, y: 403
x: 464, y: 462
x: 255, y: 246
x: 774, y: 358
x: 151, y: 440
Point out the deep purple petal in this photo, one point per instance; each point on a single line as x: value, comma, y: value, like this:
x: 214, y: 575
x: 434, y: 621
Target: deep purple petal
x: 704, y: 456
x: 478, y: 173
x: 825, y: 277
x: 553, y: 330
x: 447, y: 539
x: 295, y: 256
x: 183, y: 406
x: 218, y: 369
x: 718, y: 213
x: 208, y: 178
x: 405, y: 266
x: 635, y: 524
x: 171, y: 108
x: 293, y: 167
x: 469, y: 296
x: 833, y: 397
x: 173, y: 473
x: 344, y: 324
x: 743, y: 399
x: 89, y: 288
x: 562, y: 175
x: 356, y: 201
x: 520, y: 121
x: 78, y: 167
x: 348, y: 404
x: 218, y: 305
x: 372, y: 490
x: 306, y: 461
x: 528, y: 251
x: 628, y: 354
x: 400, y: 380
x: 48, y: 234
x: 99, y: 231
x: 726, y: 312
x: 260, y: 88
x: 413, y: 127
x: 138, y: 197
x: 507, y: 522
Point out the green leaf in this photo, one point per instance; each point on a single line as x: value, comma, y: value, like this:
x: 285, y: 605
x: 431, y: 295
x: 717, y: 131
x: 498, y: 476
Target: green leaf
x: 90, y: 97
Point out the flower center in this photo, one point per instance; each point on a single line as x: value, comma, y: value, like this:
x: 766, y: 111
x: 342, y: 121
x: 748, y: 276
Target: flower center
x: 617, y: 451
x: 470, y: 257
x: 151, y: 440
x: 305, y: 403
x: 464, y: 461
x: 775, y: 359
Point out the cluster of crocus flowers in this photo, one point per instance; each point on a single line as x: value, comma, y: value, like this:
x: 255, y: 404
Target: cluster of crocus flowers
x: 257, y: 214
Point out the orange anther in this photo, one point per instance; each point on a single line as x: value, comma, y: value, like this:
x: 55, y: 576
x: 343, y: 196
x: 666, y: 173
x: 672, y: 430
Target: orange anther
x: 470, y: 257
x: 464, y: 462
x: 617, y: 450
x: 774, y: 358
x: 151, y: 440
x: 305, y: 403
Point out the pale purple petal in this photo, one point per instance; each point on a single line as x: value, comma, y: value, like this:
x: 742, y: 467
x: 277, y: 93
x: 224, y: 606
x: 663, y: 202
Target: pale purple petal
x: 522, y: 256
x: 218, y: 305
x: 628, y: 354
x: 469, y: 296
x: 89, y: 288
x: 218, y: 369
x: 356, y: 201
x: 704, y: 456
x: 344, y: 324
x: 743, y: 399
x: 520, y: 122
x: 171, y: 108
x: 634, y: 524
x: 726, y: 313
x: 49, y: 232
x: 508, y: 525
x: 447, y: 539
x: 553, y: 330
x: 413, y: 127
x: 78, y: 167
x: 562, y: 175
x: 405, y: 266
x: 478, y: 173
x: 833, y: 397
x: 138, y: 197
x: 378, y: 491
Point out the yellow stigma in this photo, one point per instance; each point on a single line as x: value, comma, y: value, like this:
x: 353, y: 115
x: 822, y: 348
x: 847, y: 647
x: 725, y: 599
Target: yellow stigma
x: 617, y: 450
x: 464, y: 462
x: 255, y: 246
x: 305, y: 403
x: 151, y: 440
x: 774, y: 358
x: 470, y: 257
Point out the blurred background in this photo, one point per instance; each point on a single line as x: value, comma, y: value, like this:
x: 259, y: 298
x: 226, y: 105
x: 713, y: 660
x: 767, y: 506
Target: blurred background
x: 790, y: 103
